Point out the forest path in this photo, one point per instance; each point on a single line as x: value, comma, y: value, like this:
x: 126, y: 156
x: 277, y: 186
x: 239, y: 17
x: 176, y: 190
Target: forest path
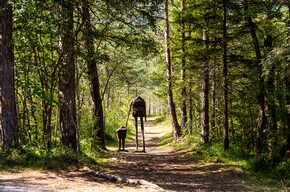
x: 170, y: 170
x: 174, y: 170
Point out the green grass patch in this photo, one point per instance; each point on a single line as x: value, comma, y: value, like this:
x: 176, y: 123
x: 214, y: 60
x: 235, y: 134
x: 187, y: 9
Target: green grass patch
x: 159, y: 119
x: 60, y: 158
x: 259, y: 174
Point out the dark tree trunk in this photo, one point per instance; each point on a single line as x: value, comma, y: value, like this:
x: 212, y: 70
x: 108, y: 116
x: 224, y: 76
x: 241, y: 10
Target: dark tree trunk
x: 67, y: 119
x: 190, y: 110
x: 173, y: 117
x: 225, y: 81
x: 270, y: 105
x: 261, y: 98
x: 8, y: 113
x: 182, y: 69
x: 205, y: 91
x: 213, y: 89
x: 98, y: 119
x: 287, y: 79
x: 190, y: 102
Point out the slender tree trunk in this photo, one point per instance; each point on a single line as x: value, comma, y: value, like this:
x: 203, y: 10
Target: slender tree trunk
x: 287, y: 82
x: 205, y: 90
x: 173, y: 117
x: 56, y: 124
x: 225, y: 81
x: 190, y: 107
x: 261, y: 99
x: 67, y: 79
x: 213, y: 89
x: 190, y: 110
x: 149, y: 109
x: 270, y: 105
x: 182, y: 69
x: 8, y: 113
x: 98, y: 118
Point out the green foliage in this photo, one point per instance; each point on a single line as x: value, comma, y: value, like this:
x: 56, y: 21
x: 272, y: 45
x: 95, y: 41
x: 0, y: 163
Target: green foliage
x: 159, y: 119
x: 37, y: 158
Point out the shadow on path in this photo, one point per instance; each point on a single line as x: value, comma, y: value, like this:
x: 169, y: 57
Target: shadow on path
x: 174, y: 170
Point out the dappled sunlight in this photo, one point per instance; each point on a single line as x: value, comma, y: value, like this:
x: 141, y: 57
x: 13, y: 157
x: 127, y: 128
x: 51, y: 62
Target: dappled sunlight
x: 173, y: 170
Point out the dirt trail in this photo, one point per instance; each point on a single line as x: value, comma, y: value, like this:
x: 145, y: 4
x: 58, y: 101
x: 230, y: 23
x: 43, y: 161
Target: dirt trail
x: 170, y: 170
x: 173, y: 170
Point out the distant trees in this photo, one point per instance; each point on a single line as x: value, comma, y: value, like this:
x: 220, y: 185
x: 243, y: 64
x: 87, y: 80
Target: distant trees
x: 8, y: 113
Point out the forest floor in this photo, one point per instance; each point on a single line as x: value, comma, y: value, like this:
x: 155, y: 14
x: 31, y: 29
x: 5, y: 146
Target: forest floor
x: 170, y: 169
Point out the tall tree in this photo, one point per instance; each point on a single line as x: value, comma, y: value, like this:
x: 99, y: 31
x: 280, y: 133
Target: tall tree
x: 8, y: 114
x: 261, y: 92
x: 173, y: 117
x: 67, y: 119
x: 287, y: 82
x: 270, y: 105
x: 205, y: 87
x: 225, y: 76
x: 98, y: 119
x: 213, y: 96
x: 182, y: 69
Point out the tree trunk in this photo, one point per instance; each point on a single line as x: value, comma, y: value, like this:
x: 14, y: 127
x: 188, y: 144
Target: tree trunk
x: 173, y: 117
x: 287, y: 82
x: 67, y: 79
x: 261, y: 99
x: 213, y: 89
x: 190, y: 110
x: 8, y: 113
x: 225, y: 81
x: 182, y: 71
x: 270, y: 105
x: 98, y: 119
x: 205, y: 90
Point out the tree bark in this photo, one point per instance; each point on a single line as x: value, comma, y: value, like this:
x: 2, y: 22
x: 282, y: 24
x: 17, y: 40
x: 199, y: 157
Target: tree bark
x: 67, y: 119
x: 173, y: 117
x: 182, y: 71
x: 225, y: 81
x: 270, y: 105
x: 98, y: 117
x: 287, y: 82
x: 261, y: 98
x: 213, y: 104
x: 205, y: 90
x: 190, y: 110
x: 8, y: 113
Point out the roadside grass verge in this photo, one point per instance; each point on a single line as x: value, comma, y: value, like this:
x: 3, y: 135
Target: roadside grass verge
x: 55, y: 159
x: 256, y: 173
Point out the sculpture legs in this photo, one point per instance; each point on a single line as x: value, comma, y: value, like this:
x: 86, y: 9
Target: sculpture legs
x: 123, y: 140
x: 136, y: 127
x: 119, y: 144
x: 142, y: 129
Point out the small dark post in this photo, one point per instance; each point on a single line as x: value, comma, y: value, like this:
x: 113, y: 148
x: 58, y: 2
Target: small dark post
x: 121, y: 135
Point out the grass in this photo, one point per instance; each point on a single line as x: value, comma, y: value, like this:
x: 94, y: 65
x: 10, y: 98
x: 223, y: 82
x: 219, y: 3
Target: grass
x: 266, y: 178
x: 40, y: 159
